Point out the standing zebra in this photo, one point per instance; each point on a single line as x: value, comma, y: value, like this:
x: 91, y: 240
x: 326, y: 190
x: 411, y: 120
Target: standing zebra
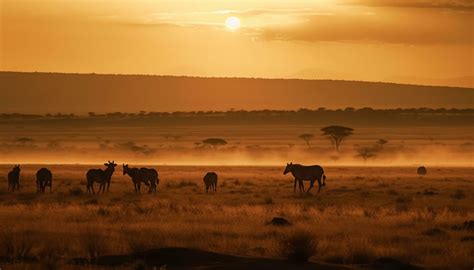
x: 100, y: 176
x: 137, y: 177
x: 14, y: 179
x: 44, y: 178
x: 150, y: 176
x: 306, y: 173
x: 210, y: 180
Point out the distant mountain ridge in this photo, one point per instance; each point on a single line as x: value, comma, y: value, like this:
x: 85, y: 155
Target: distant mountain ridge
x: 79, y: 93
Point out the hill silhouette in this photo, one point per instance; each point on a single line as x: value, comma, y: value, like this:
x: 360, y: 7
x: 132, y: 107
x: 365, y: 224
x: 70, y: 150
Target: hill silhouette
x: 80, y: 93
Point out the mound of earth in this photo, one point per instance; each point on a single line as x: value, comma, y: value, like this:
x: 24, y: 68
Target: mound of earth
x: 184, y: 258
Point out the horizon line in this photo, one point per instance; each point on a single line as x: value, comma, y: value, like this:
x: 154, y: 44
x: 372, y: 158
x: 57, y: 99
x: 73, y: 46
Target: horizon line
x: 227, y: 77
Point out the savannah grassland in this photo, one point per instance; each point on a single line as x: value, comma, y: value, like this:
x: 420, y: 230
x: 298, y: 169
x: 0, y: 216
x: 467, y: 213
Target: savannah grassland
x: 364, y: 213
x: 373, y: 209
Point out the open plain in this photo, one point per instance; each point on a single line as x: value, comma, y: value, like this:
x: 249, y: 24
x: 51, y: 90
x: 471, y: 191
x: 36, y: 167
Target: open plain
x: 362, y: 215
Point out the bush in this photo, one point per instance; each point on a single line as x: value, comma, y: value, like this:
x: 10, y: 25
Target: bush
x: 299, y: 246
x: 458, y: 195
x: 77, y: 191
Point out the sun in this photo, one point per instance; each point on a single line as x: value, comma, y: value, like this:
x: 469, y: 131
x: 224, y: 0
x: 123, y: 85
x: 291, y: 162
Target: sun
x: 232, y: 23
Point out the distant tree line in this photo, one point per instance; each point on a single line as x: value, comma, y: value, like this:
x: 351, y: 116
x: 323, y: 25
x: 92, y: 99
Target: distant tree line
x: 321, y: 115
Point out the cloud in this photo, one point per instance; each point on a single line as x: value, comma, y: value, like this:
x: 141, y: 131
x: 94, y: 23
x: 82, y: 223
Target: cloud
x: 463, y: 5
x: 393, y: 28
x: 361, y: 21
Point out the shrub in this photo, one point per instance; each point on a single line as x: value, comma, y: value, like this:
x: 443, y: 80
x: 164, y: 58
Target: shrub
x: 458, y: 195
x: 77, y: 191
x: 268, y: 200
x: 299, y: 246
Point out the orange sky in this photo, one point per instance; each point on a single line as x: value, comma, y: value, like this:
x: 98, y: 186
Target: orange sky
x: 414, y: 41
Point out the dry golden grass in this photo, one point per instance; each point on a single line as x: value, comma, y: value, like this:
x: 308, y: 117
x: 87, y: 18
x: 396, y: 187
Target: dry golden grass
x: 364, y: 213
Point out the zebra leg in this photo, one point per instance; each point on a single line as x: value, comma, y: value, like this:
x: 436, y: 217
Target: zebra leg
x: 311, y: 184
x: 294, y: 186
x: 301, y: 184
x: 319, y: 183
x: 108, y: 185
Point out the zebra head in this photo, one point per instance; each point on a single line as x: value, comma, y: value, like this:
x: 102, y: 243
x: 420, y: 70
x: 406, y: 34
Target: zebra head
x: 288, y: 167
x: 125, y: 169
x: 110, y: 165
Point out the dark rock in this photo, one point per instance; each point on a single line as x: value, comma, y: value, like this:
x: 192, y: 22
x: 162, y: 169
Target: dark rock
x: 434, y: 232
x: 430, y: 193
x: 279, y: 221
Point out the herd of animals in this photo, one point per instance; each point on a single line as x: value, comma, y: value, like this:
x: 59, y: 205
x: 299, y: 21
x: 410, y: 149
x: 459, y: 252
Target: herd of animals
x: 149, y: 177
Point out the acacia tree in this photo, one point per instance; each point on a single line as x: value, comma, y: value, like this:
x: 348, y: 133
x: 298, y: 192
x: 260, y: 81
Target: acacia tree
x: 306, y: 137
x: 336, y: 134
x: 366, y: 152
x: 214, y: 142
x: 381, y: 142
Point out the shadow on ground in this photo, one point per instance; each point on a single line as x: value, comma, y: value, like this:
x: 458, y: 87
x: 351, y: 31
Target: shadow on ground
x: 184, y: 258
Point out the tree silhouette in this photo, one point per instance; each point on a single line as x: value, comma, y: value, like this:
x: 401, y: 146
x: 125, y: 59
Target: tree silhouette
x: 214, y: 142
x: 381, y: 142
x: 336, y: 134
x: 306, y: 137
x: 366, y: 152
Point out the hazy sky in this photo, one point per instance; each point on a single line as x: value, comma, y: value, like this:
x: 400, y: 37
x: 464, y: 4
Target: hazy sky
x: 419, y: 41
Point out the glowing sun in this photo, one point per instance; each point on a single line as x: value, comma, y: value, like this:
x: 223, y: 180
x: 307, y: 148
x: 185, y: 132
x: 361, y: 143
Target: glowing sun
x: 232, y: 23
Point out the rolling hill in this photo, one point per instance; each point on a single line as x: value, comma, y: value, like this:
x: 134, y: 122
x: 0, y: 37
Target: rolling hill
x: 81, y: 93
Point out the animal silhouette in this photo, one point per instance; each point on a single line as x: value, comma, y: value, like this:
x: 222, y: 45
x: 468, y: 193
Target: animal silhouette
x: 306, y: 173
x: 14, y: 178
x: 210, y: 180
x: 421, y: 170
x: 148, y: 176
x: 100, y: 176
x: 44, y: 178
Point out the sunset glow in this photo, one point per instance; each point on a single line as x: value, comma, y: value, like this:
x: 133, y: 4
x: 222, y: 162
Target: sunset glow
x: 232, y: 23
x: 282, y: 39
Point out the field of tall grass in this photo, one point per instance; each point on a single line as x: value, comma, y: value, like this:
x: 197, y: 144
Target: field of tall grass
x: 363, y: 214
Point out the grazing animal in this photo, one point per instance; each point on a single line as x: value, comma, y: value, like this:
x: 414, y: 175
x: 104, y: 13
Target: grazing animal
x: 210, y: 180
x: 148, y: 176
x: 44, y: 178
x: 14, y: 178
x: 306, y: 173
x: 100, y: 176
x: 421, y: 170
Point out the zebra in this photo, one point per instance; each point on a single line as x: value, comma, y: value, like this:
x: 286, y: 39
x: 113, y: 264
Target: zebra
x: 306, y: 173
x: 210, y: 180
x: 44, y: 178
x: 100, y: 176
x: 14, y: 179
